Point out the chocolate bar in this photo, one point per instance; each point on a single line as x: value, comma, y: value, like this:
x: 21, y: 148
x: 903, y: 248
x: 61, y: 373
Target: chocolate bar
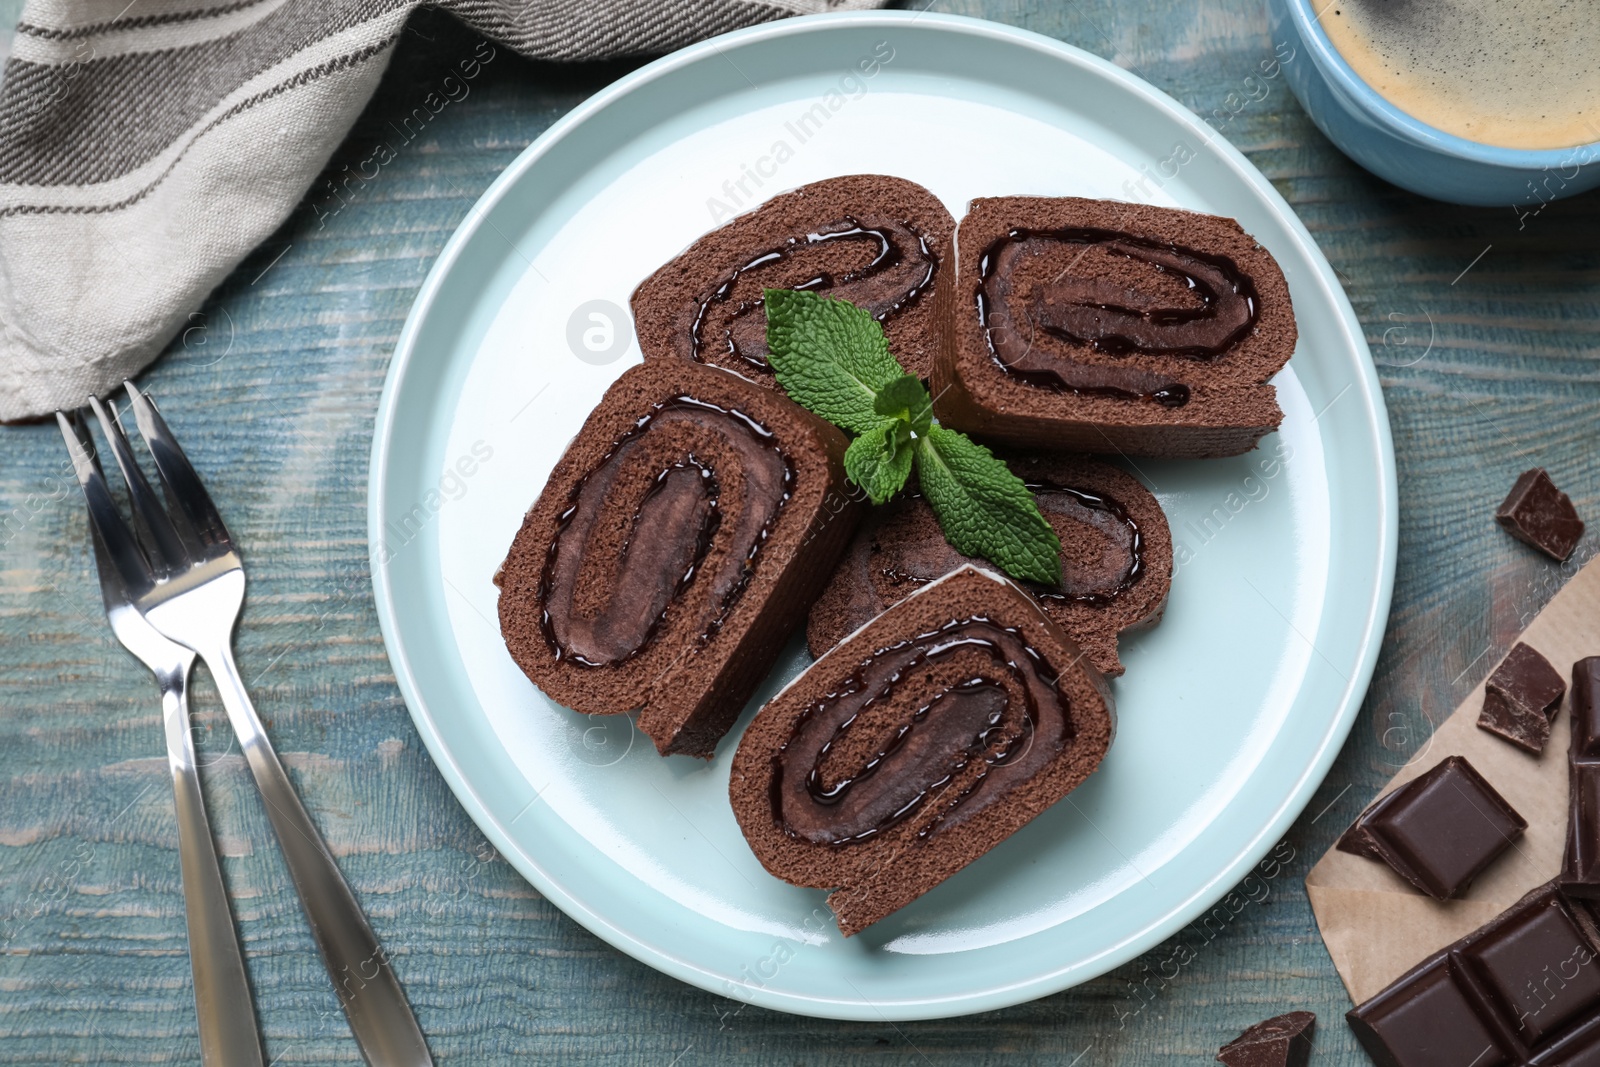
x: 1580, y: 868
x: 1523, y: 989
x: 1281, y: 1041
x: 1439, y: 831
x: 1522, y: 696
x: 1537, y: 513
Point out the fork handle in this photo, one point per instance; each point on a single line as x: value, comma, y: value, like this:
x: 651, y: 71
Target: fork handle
x: 374, y: 1004
x: 222, y: 1001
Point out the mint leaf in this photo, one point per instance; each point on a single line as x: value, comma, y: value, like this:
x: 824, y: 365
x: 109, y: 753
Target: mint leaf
x: 906, y: 399
x: 984, y: 509
x: 879, y: 461
x: 830, y: 356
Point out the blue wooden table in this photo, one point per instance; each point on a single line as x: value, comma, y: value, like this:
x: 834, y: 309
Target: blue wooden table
x: 1485, y: 327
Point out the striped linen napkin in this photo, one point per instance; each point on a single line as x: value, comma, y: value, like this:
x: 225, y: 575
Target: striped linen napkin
x: 147, y: 146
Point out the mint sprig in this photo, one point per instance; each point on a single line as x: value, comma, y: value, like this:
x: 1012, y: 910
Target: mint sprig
x: 833, y: 359
x: 830, y: 352
x: 984, y: 509
x: 879, y: 461
x: 906, y: 400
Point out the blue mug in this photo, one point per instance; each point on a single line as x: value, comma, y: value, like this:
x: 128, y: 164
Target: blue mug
x: 1408, y: 152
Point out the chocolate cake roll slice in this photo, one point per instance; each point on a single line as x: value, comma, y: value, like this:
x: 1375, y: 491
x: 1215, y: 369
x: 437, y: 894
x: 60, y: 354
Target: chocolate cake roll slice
x: 880, y: 242
x: 1116, y: 558
x: 917, y: 745
x: 1098, y: 326
x: 677, y: 543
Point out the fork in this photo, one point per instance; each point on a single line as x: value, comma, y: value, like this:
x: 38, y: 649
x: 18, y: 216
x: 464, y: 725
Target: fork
x: 221, y: 992
x: 186, y: 579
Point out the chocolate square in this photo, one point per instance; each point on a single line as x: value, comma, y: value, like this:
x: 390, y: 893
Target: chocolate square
x: 1537, y: 513
x: 1426, y: 1018
x: 1439, y: 830
x: 1538, y: 966
x: 1521, y: 697
x: 1580, y: 1048
x: 1580, y: 868
x: 1281, y: 1041
x: 1583, y: 825
x: 1586, y: 708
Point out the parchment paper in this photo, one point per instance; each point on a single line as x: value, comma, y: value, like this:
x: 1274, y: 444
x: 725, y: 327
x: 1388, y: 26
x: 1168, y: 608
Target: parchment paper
x: 1376, y: 926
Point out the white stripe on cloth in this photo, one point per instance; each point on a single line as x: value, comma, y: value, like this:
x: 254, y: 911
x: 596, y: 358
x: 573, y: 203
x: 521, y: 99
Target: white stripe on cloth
x: 71, y: 15
x: 125, y: 186
x: 155, y: 38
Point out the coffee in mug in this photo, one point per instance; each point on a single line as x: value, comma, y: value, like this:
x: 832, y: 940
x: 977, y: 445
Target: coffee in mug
x: 1513, y: 73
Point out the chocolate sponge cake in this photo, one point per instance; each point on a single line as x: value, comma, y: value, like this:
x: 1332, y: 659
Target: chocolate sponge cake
x: 880, y: 242
x: 677, y: 543
x: 917, y: 745
x: 1098, y: 326
x: 1116, y: 558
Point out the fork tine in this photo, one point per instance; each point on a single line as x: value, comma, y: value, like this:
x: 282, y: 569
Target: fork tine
x: 161, y: 542
x: 131, y: 567
x: 112, y: 587
x: 113, y: 590
x: 184, y: 486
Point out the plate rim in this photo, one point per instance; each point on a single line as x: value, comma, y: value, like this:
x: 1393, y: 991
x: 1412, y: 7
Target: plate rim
x: 999, y: 995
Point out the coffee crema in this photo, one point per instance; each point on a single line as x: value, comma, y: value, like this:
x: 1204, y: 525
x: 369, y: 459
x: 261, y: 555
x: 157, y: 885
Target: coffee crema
x: 1512, y: 73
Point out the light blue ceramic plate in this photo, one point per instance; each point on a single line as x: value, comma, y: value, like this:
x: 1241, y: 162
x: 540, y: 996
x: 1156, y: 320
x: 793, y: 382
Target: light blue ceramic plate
x: 1231, y: 710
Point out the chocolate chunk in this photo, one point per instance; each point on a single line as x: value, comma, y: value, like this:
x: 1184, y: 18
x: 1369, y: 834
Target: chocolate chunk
x: 1100, y: 326
x: 1357, y: 841
x: 916, y: 745
x: 1524, y: 988
x: 1426, y: 1019
x: 739, y: 501
x: 1526, y: 730
x: 1116, y: 558
x: 1282, y: 1041
x: 1580, y: 868
x: 1538, y: 513
x: 1439, y: 831
x: 1522, y: 696
x: 880, y: 242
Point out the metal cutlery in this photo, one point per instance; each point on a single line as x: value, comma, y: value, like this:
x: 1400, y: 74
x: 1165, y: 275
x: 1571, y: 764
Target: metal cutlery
x: 221, y: 992
x: 185, y: 577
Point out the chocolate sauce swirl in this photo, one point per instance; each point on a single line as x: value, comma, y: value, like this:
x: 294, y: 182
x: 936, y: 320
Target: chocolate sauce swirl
x: 900, y: 270
x: 1109, y: 317
x: 945, y: 722
x: 1121, y: 563
x: 670, y: 522
x: 1095, y: 581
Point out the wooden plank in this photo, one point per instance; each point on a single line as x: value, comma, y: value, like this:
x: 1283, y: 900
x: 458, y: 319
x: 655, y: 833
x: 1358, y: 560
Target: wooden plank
x: 1486, y: 373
